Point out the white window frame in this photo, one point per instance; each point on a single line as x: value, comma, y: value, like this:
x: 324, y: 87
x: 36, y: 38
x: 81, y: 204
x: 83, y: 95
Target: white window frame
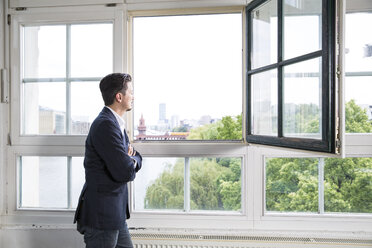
x: 42, y: 16
x: 192, y: 148
x: 253, y: 171
x: 253, y: 202
x: 49, y: 145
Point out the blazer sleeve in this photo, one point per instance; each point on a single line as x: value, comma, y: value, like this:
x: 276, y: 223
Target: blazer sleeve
x: 109, y: 145
x: 138, y: 159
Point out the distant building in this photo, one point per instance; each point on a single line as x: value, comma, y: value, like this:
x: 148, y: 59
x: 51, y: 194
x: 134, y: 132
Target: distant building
x: 54, y: 122
x: 51, y: 121
x: 175, y: 121
x: 204, y: 120
x: 167, y: 136
x: 367, y: 50
x: 162, y: 112
x: 80, y: 127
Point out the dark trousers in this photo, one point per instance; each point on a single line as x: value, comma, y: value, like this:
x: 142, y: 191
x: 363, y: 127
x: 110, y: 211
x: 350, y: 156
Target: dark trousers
x: 97, y: 238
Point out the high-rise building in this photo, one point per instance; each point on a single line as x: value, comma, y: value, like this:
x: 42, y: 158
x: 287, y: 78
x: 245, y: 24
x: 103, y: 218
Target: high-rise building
x: 162, y: 112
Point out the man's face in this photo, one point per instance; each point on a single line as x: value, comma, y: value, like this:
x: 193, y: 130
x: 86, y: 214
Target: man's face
x: 128, y: 98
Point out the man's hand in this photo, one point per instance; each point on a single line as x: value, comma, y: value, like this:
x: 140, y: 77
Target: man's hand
x: 131, y: 151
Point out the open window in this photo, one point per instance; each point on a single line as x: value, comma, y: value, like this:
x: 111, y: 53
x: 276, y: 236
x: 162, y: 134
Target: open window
x: 291, y: 83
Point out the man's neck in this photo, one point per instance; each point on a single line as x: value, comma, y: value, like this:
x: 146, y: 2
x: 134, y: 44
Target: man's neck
x: 119, y: 111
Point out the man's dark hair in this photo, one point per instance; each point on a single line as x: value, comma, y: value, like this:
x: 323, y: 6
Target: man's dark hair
x: 112, y: 84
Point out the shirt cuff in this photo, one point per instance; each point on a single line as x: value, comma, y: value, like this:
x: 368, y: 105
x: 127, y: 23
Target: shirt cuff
x: 134, y: 163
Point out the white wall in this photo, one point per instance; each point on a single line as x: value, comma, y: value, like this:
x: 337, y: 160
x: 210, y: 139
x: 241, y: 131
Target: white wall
x: 40, y: 238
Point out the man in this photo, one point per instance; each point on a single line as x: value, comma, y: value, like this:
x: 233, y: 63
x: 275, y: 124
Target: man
x: 110, y: 163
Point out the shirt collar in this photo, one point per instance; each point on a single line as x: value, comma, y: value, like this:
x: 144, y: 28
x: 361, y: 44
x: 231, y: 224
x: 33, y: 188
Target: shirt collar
x: 119, y: 119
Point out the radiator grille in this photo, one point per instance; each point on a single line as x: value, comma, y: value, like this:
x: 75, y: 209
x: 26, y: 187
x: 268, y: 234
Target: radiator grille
x: 158, y: 240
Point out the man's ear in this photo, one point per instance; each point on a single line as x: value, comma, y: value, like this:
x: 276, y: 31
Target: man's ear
x: 118, y: 97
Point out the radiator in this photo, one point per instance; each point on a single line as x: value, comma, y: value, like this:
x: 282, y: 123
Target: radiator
x: 158, y: 240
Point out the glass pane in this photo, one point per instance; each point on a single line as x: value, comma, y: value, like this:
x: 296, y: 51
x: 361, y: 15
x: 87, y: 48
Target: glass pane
x: 91, y: 50
x: 86, y: 103
x: 215, y: 184
x: 302, y: 100
x: 347, y: 186
x: 264, y: 88
x: 160, y: 184
x: 44, y: 51
x: 188, y: 77
x: 264, y: 35
x: 77, y: 179
x: 358, y: 109
x: 358, y: 43
x: 44, y: 108
x: 43, y: 182
x: 302, y: 27
x: 358, y: 81
x: 292, y: 184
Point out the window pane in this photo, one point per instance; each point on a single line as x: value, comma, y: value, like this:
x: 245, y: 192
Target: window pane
x: 86, y: 103
x: 358, y: 81
x: 77, y: 179
x: 302, y: 27
x: 265, y: 34
x: 44, y: 108
x: 44, y: 51
x: 292, y: 184
x: 91, y: 50
x: 358, y: 109
x: 348, y: 185
x: 302, y: 99
x: 358, y: 39
x: 264, y: 88
x: 215, y: 184
x: 160, y: 184
x: 187, y: 76
x: 43, y: 182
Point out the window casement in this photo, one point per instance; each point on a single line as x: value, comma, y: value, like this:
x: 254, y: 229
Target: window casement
x: 188, y: 88
x: 60, y: 61
x: 291, y: 74
x: 187, y: 70
x: 57, y: 61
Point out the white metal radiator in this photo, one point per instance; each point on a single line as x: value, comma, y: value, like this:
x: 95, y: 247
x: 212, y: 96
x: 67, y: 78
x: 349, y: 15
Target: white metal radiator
x: 157, y: 240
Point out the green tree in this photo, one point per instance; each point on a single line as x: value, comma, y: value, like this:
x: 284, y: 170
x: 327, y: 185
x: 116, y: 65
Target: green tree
x: 229, y: 128
x: 346, y: 184
x: 356, y: 119
x: 206, y: 132
x: 291, y: 183
x: 301, y: 118
x: 215, y: 184
x: 348, y: 180
x: 180, y: 129
x: 166, y: 192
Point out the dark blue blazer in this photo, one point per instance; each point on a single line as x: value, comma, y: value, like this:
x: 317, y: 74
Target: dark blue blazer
x: 103, y: 203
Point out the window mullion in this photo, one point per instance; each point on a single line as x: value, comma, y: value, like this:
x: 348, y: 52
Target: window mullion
x: 187, y: 185
x: 69, y: 182
x: 321, y: 186
x: 280, y: 68
x: 68, y: 79
x: 20, y: 182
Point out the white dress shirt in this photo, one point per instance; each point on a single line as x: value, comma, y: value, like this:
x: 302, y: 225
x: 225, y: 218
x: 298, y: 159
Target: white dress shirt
x: 119, y: 119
